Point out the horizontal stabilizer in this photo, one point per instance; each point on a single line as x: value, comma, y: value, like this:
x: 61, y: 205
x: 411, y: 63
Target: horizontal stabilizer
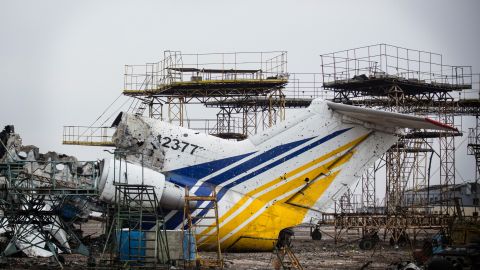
x: 388, y: 119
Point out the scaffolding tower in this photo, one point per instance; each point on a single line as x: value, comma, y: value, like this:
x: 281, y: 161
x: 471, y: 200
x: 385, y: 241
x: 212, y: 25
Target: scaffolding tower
x: 473, y: 148
x: 368, y: 199
x: 180, y: 79
x: 136, y: 230
x: 252, y: 81
x: 406, y: 81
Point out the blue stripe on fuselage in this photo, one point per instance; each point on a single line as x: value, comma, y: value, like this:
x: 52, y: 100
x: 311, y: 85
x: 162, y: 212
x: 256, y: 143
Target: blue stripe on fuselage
x: 286, y: 158
x: 268, y: 155
x: 224, y: 189
x: 262, y: 158
x: 188, y: 176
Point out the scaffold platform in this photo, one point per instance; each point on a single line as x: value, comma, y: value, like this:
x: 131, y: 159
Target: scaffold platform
x: 348, y: 221
x: 376, y: 85
x: 219, y: 88
x: 259, y: 101
x: 208, y: 75
x: 374, y: 70
x: 88, y: 136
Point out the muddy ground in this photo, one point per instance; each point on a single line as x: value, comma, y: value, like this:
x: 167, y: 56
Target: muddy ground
x: 323, y: 254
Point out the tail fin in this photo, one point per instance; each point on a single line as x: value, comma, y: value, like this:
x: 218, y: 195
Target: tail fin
x: 304, y: 163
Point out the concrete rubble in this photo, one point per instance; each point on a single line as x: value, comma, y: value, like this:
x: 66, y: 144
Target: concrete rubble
x: 44, y: 171
x: 67, y: 168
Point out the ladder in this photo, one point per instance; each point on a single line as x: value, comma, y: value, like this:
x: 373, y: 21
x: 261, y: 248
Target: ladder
x: 140, y: 108
x: 201, y: 213
x: 286, y: 259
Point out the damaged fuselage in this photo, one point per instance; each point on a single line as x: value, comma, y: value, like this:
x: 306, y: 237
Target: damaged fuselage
x: 271, y: 181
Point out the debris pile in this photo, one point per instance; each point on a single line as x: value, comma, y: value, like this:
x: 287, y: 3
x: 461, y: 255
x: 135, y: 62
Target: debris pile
x: 42, y: 199
x: 66, y: 170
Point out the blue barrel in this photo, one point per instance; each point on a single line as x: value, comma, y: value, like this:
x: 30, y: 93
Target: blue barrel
x: 131, y: 245
x: 69, y: 211
x: 189, y: 246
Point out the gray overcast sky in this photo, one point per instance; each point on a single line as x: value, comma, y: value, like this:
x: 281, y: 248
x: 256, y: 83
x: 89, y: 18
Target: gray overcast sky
x: 61, y: 62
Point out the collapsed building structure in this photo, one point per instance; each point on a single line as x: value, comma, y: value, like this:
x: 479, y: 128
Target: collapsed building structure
x: 47, y: 197
x: 43, y: 197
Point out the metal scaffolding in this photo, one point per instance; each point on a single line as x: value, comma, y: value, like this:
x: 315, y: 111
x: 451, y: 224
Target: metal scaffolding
x: 473, y: 148
x: 89, y: 136
x: 368, y: 199
x: 181, y: 79
x: 245, y: 85
x: 136, y: 234
x: 37, y: 209
x: 406, y: 81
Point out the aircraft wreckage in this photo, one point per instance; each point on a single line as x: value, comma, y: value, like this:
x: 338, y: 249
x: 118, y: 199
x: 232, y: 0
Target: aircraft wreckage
x: 265, y: 184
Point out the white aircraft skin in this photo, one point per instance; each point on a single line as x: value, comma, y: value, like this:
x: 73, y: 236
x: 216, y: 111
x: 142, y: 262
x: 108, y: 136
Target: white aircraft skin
x: 271, y: 181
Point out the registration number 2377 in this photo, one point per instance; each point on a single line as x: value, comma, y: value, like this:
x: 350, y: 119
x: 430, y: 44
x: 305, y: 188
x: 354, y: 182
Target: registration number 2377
x: 175, y: 144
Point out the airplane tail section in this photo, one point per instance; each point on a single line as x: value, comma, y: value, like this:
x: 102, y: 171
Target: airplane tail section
x: 325, y: 129
x: 353, y: 156
x: 295, y: 169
